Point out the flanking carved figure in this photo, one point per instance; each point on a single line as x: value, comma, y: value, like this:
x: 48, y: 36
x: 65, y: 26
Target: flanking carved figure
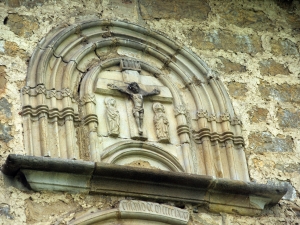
x: 161, y: 123
x: 112, y: 116
x: 136, y: 94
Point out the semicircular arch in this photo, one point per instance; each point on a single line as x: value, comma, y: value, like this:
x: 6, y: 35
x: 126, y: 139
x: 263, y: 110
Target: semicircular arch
x: 59, y: 97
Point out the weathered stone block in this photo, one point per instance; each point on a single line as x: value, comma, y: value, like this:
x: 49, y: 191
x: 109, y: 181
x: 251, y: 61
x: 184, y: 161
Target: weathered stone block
x: 219, y: 39
x: 246, y: 18
x: 270, y: 67
x: 294, y: 22
x: 26, y: 3
x: 13, y: 50
x: 237, y: 90
x: 22, y: 25
x: 174, y: 9
x: 257, y: 114
x: 288, y: 118
x: 229, y: 66
x: 5, y: 111
x: 5, y: 132
x: 288, y: 168
x: 39, y: 212
x: 284, y: 47
x: 280, y: 92
x: 5, y: 114
x: 125, y: 8
x: 2, y: 79
x: 2, y: 43
x: 266, y: 142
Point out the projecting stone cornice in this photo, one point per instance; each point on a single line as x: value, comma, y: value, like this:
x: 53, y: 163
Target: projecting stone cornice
x: 216, y: 194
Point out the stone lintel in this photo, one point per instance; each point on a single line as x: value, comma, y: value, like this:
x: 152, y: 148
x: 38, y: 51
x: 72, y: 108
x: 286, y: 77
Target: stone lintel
x: 218, y: 195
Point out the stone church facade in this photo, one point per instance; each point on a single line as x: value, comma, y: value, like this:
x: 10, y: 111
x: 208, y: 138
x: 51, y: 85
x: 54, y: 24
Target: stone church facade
x: 149, y: 112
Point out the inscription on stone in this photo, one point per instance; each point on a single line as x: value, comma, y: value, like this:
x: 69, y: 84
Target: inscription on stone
x: 154, y: 208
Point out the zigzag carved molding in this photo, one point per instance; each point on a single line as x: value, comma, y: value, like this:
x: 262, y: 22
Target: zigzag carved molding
x: 50, y: 93
x: 51, y: 113
x: 226, y: 136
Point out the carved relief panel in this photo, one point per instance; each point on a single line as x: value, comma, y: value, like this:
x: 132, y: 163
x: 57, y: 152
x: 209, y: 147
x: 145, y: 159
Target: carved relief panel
x: 132, y: 98
x: 136, y: 92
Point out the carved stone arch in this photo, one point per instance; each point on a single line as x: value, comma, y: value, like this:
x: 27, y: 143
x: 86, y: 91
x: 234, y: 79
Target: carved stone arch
x: 137, y: 213
x: 119, y: 151
x: 60, y: 107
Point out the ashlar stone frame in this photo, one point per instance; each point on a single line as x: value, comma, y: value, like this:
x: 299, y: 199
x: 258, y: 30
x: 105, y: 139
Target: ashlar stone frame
x: 72, y: 117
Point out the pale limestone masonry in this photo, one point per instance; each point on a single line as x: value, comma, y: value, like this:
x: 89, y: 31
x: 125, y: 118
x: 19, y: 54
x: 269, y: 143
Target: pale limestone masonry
x: 252, y: 47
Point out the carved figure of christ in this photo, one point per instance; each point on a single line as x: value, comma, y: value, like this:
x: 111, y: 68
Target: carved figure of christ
x: 136, y: 94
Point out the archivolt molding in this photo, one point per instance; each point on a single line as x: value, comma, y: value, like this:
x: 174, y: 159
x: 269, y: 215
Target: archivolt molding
x: 137, y: 211
x: 63, y: 72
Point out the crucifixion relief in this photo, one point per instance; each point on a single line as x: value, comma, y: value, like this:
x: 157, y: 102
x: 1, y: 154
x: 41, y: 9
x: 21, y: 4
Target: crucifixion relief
x: 132, y: 91
x: 136, y: 94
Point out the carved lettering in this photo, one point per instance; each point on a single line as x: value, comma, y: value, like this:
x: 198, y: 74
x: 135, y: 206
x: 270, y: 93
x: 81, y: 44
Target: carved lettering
x: 157, y: 209
x: 154, y: 208
x: 143, y: 206
x: 149, y: 207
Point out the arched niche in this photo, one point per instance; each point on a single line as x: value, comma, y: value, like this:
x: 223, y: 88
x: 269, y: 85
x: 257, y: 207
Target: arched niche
x: 133, y: 212
x: 66, y: 94
x: 125, y: 151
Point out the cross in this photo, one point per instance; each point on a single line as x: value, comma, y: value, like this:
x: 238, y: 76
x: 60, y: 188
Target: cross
x: 146, y: 83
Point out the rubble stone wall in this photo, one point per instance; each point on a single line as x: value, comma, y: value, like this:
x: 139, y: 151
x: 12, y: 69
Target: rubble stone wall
x: 253, y: 45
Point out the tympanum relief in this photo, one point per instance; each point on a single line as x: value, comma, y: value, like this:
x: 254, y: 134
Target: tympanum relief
x: 132, y: 96
x: 137, y: 95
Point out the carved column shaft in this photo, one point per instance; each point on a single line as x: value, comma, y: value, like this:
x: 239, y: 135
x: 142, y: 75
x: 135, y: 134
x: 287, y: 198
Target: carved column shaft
x: 231, y: 159
x: 187, y: 158
x: 208, y: 159
x: 43, y: 125
x: 28, y: 140
x: 217, y: 159
x: 55, y: 143
x: 183, y: 133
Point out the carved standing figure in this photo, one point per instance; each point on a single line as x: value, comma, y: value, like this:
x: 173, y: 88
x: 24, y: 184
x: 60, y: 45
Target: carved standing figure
x: 112, y: 116
x: 161, y: 122
x: 136, y: 94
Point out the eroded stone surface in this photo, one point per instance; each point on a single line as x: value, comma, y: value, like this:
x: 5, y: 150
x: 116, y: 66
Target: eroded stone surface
x: 26, y: 3
x: 23, y: 26
x: 237, y: 90
x: 280, y: 92
x: 241, y: 17
x: 222, y: 39
x: 284, y: 47
x: 12, y: 49
x: 174, y: 9
x: 2, y: 79
x: 288, y: 118
x: 228, y: 66
x: 265, y: 141
x: 141, y: 164
x: 270, y: 67
x: 258, y: 114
